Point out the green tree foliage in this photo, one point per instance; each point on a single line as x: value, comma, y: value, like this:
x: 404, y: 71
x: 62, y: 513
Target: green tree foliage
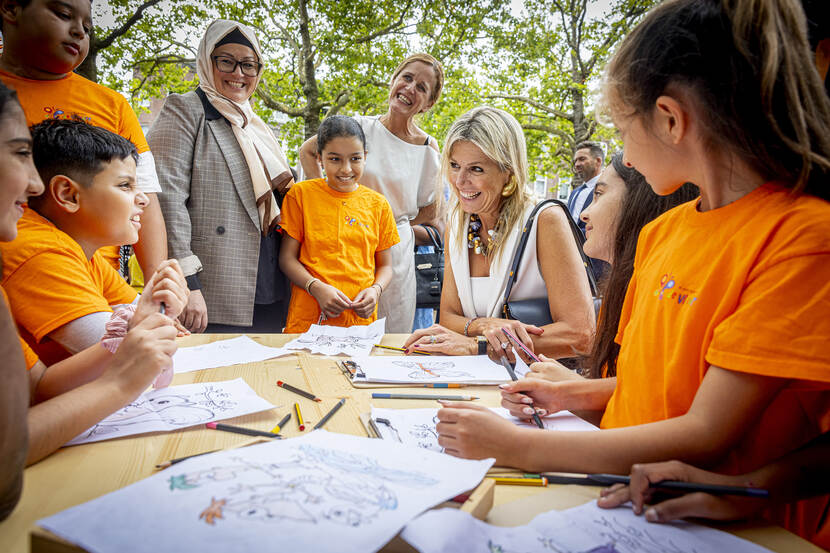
x: 547, y: 59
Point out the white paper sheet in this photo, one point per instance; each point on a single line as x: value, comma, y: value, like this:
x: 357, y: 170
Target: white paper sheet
x: 416, y: 427
x: 334, y: 340
x: 177, y: 407
x: 321, y: 492
x: 420, y: 369
x: 583, y: 529
x: 223, y: 353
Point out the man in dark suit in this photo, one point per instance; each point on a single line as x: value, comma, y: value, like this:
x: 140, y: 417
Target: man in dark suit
x: 587, y: 167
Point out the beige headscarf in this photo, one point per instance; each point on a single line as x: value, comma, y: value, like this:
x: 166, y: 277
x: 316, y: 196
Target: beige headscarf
x: 267, y: 164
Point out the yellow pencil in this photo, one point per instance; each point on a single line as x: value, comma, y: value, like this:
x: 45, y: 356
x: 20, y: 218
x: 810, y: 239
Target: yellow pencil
x: 393, y: 348
x: 522, y: 481
x: 300, y: 422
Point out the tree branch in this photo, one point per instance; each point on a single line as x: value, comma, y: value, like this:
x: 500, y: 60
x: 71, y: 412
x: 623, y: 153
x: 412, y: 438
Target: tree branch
x: 534, y: 103
x: 388, y: 29
x: 272, y: 103
x: 550, y: 130
x: 110, y: 38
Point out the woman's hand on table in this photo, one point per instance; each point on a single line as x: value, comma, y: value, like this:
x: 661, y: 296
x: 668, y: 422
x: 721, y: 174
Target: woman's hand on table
x: 438, y: 339
x: 475, y: 432
x: 552, y: 370
x: 491, y: 329
x: 699, y: 504
x: 332, y: 301
x: 167, y: 286
x: 365, y: 301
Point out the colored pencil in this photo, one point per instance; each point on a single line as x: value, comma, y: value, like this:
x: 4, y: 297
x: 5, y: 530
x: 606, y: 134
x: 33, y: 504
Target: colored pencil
x: 377, y: 395
x: 166, y: 464
x: 520, y: 345
x: 442, y: 385
x: 300, y: 422
x: 521, y: 481
x: 242, y: 430
x: 506, y: 364
x: 684, y: 487
x: 393, y: 348
x: 303, y: 393
x: 330, y: 414
x: 276, y: 429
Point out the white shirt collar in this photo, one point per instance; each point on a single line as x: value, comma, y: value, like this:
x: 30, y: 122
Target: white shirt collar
x: 590, y: 183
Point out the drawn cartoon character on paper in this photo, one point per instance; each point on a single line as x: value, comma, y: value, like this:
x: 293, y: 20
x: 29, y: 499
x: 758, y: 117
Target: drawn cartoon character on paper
x: 313, y: 485
x: 430, y: 370
x: 338, y: 342
x: 426, y: 436
x: 173, y: 408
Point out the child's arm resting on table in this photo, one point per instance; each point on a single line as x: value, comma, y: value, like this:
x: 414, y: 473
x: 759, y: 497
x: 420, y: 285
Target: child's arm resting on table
x: 726, y: 403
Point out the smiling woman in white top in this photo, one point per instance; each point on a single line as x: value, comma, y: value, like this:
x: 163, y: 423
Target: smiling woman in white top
x: 485, y: 162
x: 403, y: 165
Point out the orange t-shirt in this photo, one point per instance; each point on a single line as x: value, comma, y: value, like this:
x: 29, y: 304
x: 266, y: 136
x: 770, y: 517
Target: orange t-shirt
x: 29, y: 356
x: 339, y: 234
x: 50, y: 282
x: 745, y: 287
x: 92, y: 102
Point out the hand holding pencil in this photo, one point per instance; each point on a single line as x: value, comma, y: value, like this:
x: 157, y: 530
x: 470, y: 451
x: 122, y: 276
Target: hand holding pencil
x: 475, y: 432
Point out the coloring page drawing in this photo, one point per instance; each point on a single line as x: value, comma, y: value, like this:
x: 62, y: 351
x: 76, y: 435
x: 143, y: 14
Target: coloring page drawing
x: 177, y: 407
x: 583, y: 529
x: 321, y: 492
x: 335, y: 340
x: 466, y: 369
x: 416, y: 427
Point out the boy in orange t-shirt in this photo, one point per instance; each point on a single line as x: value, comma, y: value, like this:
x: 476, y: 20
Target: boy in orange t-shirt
x: 337, y: 236
x: 59, y: 286
x: 43, y: 43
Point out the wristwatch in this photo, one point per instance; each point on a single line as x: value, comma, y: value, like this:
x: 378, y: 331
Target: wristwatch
x: 482, y: 345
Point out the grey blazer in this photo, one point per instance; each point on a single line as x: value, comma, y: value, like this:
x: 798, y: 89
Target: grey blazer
x: 213, y: 226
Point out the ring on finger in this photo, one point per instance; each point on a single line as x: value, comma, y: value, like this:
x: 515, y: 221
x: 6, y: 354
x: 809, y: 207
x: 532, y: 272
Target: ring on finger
x: 504, y: 345
x: 432, y: 339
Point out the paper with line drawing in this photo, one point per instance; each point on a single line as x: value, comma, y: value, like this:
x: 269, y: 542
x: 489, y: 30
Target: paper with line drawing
x: 177, y: 407
x: 322, y: 492
x: 335, y: 340
x: 583, y: 529
x: 456, y: 369
x: 416, y: 427
x: 223, y: 353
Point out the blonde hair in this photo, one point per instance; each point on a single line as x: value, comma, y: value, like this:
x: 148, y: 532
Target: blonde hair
x: 437, y: 68
x: 748, y: 64
x: 500, y: 137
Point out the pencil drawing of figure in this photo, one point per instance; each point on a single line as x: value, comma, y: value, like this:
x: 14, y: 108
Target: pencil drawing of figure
x: 430, y: 370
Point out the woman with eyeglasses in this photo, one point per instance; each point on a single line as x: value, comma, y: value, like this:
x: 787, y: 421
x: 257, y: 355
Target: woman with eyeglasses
x: 223, y: 177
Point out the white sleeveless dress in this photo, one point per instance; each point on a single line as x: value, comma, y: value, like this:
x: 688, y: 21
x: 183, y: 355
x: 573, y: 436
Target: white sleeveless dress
x: 406, y: 174
x: 484, y: 296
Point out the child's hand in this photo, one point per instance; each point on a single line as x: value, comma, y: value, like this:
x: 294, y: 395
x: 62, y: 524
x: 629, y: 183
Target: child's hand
x: 167, y: 286
x: 365, y: 301
x: 145, y: 353
x: 332, y: 301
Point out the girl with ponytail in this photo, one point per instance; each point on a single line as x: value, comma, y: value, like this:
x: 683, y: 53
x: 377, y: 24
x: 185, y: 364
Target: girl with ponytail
x: 724, y: 332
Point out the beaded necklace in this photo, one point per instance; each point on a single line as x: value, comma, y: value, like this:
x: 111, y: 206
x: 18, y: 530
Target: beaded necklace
x: 474, y: 235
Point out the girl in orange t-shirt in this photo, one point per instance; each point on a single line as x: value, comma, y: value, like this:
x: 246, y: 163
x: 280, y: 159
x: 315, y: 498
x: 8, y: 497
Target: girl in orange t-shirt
x: 724, y: 334
x: 337, y: 236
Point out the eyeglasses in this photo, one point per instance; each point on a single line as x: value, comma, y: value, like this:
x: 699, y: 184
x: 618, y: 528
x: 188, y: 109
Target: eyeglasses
x: 228, y: 65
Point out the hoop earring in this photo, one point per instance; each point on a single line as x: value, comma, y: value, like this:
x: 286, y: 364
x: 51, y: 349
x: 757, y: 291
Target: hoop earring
x: 510, y: 187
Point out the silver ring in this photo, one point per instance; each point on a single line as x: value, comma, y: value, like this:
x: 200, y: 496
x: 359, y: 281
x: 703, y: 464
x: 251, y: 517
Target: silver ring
x: 432, y: 339
x: 504, y: 345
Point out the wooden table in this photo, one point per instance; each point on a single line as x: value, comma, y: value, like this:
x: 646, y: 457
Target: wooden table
x: 74, y: 475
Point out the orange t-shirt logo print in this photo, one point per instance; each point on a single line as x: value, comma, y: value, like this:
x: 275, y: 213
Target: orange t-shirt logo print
x: 666, y: 282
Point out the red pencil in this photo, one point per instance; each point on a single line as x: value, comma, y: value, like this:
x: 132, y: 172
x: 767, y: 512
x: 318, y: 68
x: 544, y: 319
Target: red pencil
x: 303, y: 393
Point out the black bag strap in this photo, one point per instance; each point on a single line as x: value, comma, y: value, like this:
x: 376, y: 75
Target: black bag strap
x: 435, y: 236
x: 517, y: 257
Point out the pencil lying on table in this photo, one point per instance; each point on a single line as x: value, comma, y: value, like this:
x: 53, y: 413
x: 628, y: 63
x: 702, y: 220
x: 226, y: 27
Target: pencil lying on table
x: 665, y: 485
x: 166, y: 464
x: 377, y: 395
x: 290, y: 388
x: 520, y: 481
x: 330, y: 414
x: 393, y: 348
x: 242, y: 430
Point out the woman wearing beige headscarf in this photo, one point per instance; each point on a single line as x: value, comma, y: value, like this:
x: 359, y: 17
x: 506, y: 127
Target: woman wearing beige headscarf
x: 223, y: 176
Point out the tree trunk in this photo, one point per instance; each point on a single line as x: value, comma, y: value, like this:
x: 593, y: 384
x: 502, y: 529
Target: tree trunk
x: 89, y: 67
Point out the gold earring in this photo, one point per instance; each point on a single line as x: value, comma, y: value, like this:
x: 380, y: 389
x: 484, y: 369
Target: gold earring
x: 510, y: 187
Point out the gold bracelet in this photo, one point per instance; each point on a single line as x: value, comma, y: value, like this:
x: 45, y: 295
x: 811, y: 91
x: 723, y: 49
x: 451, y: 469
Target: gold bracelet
x: 379, y: 288
x: 309, y: 283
